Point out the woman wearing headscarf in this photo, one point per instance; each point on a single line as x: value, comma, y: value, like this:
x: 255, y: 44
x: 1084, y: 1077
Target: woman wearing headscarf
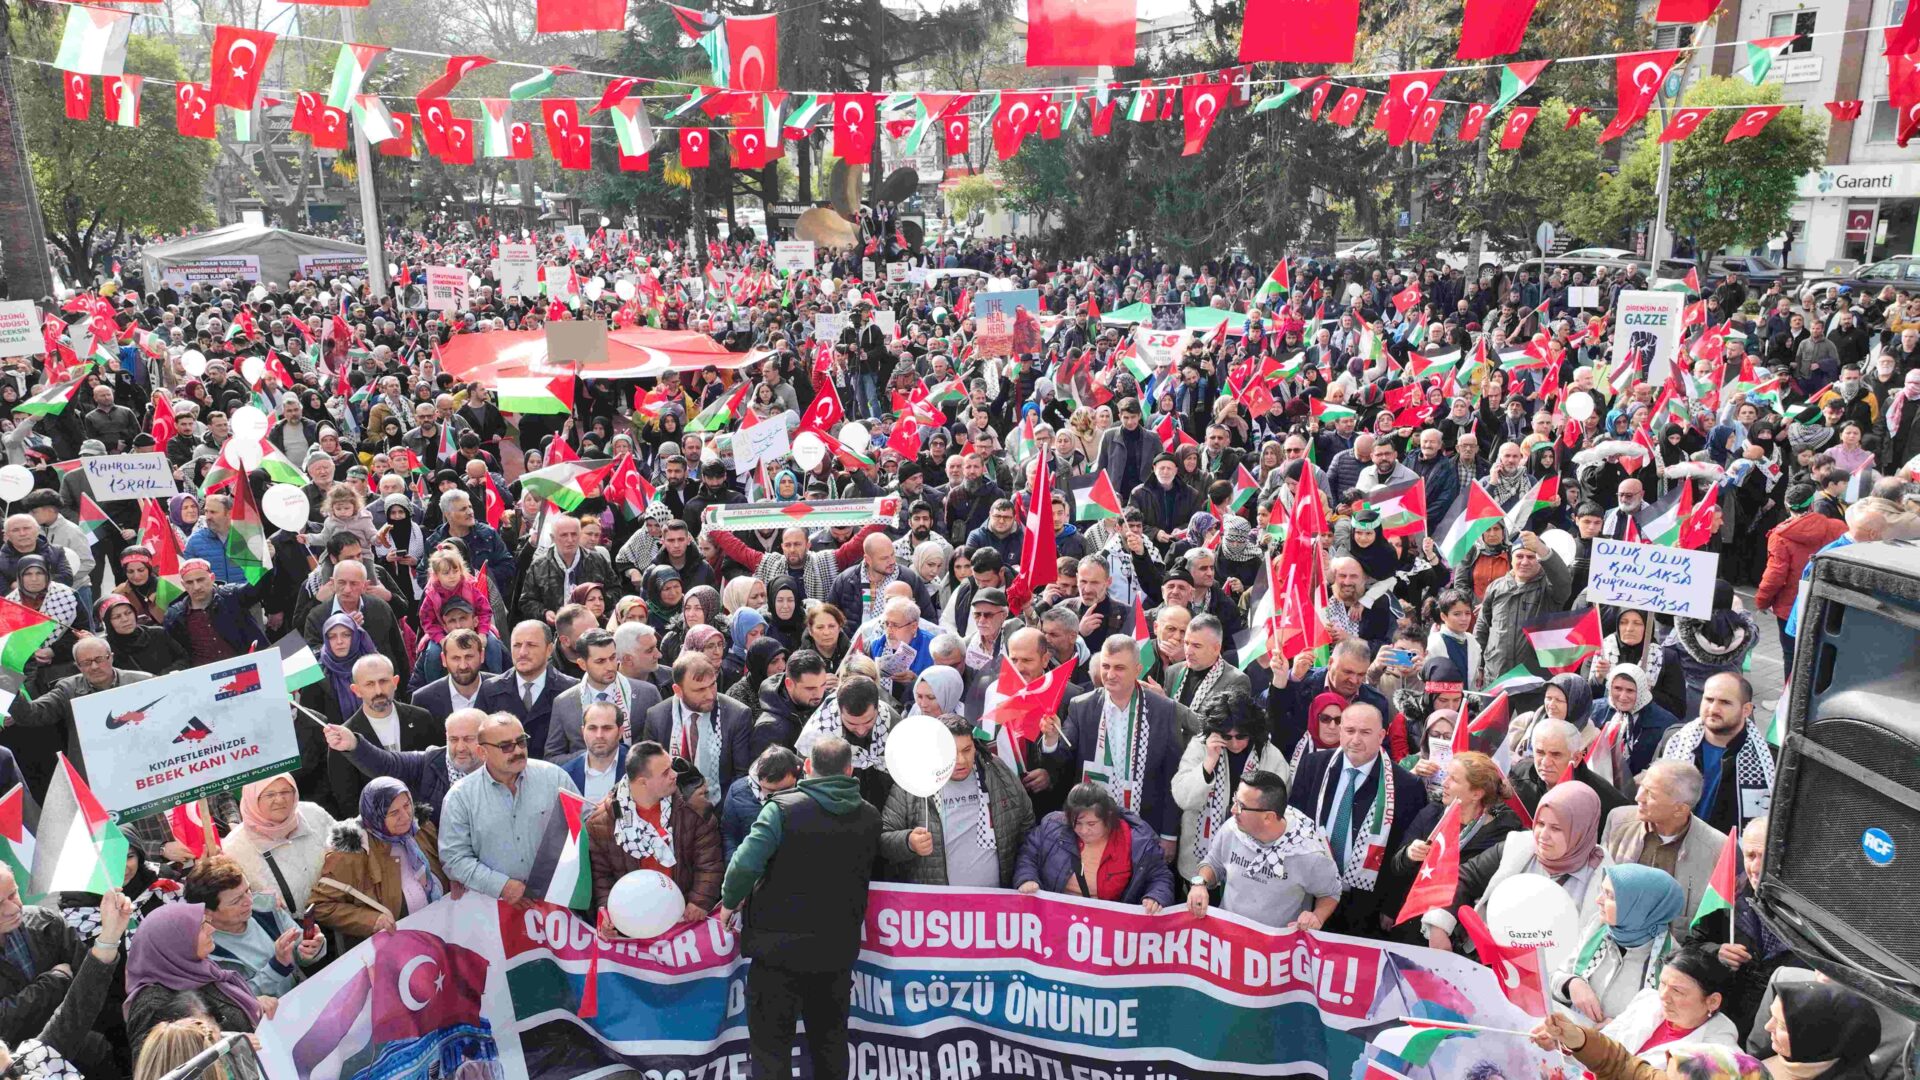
x: 1633, y: 641
x: 1818, y: 1029
x: 183, y: 510
x: 1240, y: 555
x: 400, y: 545
x: 709, y: 642
x: 787, y: 613
x: 1698, y: 649
x: 170, y: 977
x: 1565, y: 697
x: 281, y: 842
x: 1563, y: 845
x: 765, y: 657
x: 937, y: 692
x: 664, y: 594
x: 1624, y: 946
x: 1674, y: 1032
x: 384, y: 866
x: 342, y: 643
x: 1368, y: 546
x: 748, y: 626
x: 139, y: 584
x: 1323, y: 728
x: 1232, y: 746
x: 700, y: 608
x: 1488, y: 563
x: 136, y: 647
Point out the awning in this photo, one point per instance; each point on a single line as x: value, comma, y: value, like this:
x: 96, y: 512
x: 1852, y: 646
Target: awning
x: 634, y: 352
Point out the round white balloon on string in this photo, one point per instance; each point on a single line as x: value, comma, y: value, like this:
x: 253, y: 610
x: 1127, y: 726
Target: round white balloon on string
x: 595, y: 288
x: 625, y: 289
x: 249, y: 452
x: 258, y: 294
x: 286, y: 506
x: 854, y: 436
x: 248, y: 422
x: 15, y: 482
x: 808, y: 451
x: 473, y: 281
x: 1579, y: 407
x: 1562, y: 544
x: 393, y: 271
x: 252, y: 368
x: 645, y: 904
x: 920, y: 755
x: 1527, y: 910
x: 194, y: 363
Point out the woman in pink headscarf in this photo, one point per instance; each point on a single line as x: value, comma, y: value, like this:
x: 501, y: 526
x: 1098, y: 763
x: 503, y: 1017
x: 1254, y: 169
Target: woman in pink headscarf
x: 1563, y: 845
x: 281, y: 842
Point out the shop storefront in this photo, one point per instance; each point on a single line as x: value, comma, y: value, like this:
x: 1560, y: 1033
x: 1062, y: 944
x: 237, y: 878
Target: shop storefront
x: 1857, y: 212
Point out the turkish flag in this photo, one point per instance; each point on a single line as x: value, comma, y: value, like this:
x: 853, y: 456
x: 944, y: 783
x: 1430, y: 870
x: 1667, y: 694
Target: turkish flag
x: 459, y: 143
x: 753, y: 52
x: 1439, y: 875
x: 904, y: 440
x: 239, y: 59
x: 1518, y: 121
x: 1407, y: 92
x: 1038, y: 556
x: 118, y: 92
x: 957, y: 129
x: 1682, y: 124
x: 1752, y: 122
x: 1018, y: 117
x: 749, y: 150
x: 401, y: 145
x: 1100, y: 120
x: 824, y: 412
x: 1685, y: 11
x: 579, y: 16
x: 1347, y: 109
x: 561, y: 117
x: 519, y: 141
x: 330, y: 129
x: 694, y: 147
x: 79, y: 96
x: 1299, y: 31
x: 1516, y: 968
x: 634, y: 163
x: 1845, y: 110
x: 458, y: 68
x: 422, y: 984
x: 1637, y: 79
x: 1080, y: 33
x: 1242, y: 79
x: 305, y: 108
x: 854, y: 126
x: 436, y: 116
x: 578, y: 153
x: 193, y: 110
x: 1490, y: 28
x: 1024, y: 704
x: 1200, y: 105
x: 1320, y: 99
x: 1428, y: 122
x: 1471, y: 123
x: 1903, y: 93
x: 615, y: 93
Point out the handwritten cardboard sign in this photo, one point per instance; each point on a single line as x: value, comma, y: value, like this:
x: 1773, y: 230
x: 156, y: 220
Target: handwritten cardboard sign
x: 130, y: 476
x: 1664, y: 580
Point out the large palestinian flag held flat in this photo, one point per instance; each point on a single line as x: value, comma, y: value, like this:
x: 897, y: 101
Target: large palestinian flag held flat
x: 562, y: 873
x: 1473, y: 513
x: 23, y: 631
x: 1562, y: 640
x: 79, y: 849
x: 536, y: 396
x: 1402, y: 507
x: 1093, y: 496
x: 821, y: 514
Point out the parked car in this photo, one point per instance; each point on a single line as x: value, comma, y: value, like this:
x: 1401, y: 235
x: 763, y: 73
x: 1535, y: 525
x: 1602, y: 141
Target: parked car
x: 1759, y: 271
x: 1610, y: 253
x: 1365, y: 249
x: 1901, y: 271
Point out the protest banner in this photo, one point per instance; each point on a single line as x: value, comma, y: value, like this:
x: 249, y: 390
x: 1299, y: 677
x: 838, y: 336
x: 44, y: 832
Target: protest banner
x: 20, y: 329
x: 156, y: 744
x: 446, y: 288
x: 1664, y: 580
x: 793, y: 255
x: 896, y: 273
x: 332, y: 264
x: 828, y: 324
x: 1161, y: 348
x: 119, y: 477
x: 213, y: 268
x: 518, y: 269
x: 765, y: 441
x: 575, y: 237
x: 1648, y: 327
x: 951, y: 983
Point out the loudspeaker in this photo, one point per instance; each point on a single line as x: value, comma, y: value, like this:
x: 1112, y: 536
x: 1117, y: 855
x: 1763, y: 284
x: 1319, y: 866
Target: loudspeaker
x: 1843, y: 843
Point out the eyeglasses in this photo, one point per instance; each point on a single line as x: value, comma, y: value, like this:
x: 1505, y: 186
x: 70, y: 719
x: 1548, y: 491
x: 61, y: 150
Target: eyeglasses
x: 1242, y: 808
x: 1235, y: 736
x: 511, y: 744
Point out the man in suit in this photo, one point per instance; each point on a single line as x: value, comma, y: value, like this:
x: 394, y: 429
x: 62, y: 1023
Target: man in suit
x: 460, y: 687
x: 428, y: 773
x: 595, y: 770
x: 531, y: 688
x: 1661, y: 831
x: 350, y: 597
x: 600, y: 665
x: 702, y: 725
x: 386, y: 722
x: 1204, y: 674
x: 1124, y: 737
x: 1341, y: 790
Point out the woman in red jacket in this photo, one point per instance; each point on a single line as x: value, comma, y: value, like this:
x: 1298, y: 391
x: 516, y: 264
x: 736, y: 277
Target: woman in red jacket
x: 1789, y: 545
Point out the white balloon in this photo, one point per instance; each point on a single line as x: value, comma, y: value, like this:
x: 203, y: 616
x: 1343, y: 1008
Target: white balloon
x: 248, y: 452
x: 194, y: 363
x: 594, y: 290
x: 1562, y: 543
x: 920, y: 755
x: 645, y: 904
x: 252, y: 368
x: 625, y: 290
x: 248, y: 423
x: 258, y: 294
x: 1579, y: 407
x: 854, y: 436
x: 15, y: 481
x: 1527, y: 909
x: 808, y: 451
x: 286, y: 506
x: 393, y: 271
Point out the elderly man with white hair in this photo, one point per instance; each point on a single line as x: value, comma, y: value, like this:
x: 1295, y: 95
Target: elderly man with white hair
x: 637, y: 645
x: 1556, y: 746
x: 353, y: 596
x: 1660, y: 830
x: 903, y: 646
x: 383, y: 721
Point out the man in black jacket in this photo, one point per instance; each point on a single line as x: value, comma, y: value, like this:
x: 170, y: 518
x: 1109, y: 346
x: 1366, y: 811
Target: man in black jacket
x: 388, y: 723
x: 39, y: 953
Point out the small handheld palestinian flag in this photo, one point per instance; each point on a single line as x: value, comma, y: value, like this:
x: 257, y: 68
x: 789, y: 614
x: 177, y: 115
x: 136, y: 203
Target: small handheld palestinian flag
x: 16, y: 843
x: 1327, y: 413
x: 1278, y: 284
x: 1402, y: 507
x: 1724, y: 882
x: 1544, y: 496
x: 721, y: 415
x: 548, y: 397
x: 1473, y: 513
x: 566, y: 484
x: 562, y: 873
x: 1245, y: 487
x: 1563, y: 640
x: 79, y: 848
x: 298, y: 665
x: 1093, y: 497
x: 1418, y: 1040
x: 1486, y: 731
x: 91, y: 518
x: 23, y: 631
x: 52, y: 400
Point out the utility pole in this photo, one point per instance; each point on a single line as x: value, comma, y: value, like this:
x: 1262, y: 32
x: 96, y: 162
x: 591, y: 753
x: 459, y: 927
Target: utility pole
x: 369, y: 198
x: 1669, y: 91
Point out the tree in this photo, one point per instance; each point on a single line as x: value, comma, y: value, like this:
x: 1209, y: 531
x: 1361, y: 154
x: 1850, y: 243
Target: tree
x: 970, y: 194
x: 23, y: 236
x: 1555, y: 175
x: 1721, y: 194
x: 95, y: 177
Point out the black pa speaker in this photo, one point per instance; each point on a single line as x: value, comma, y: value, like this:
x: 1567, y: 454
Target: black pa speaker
x: 1843, y: 844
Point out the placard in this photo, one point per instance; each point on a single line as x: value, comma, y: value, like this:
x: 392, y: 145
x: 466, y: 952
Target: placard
x: 119, y: 477
x: 1647, y: 326
x: 446, y: 288
x: 765, y: 441
x: 1663, y: 580
x: 211, y: 268
x: 332, y: 264
x: 868, y: 271
x: 1583, y: 297
x: 156, y: 744
x: 828, y: 324
x: 582, y: 341
x: 575, y: 237
x: 518, y: 269
x: 560, y: 284
x: 793, y: 255
x: 20, y: 329
x: 885, y: 319
x: 896, y: 273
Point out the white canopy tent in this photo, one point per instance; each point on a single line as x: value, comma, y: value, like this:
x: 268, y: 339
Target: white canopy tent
x: 253, y: 252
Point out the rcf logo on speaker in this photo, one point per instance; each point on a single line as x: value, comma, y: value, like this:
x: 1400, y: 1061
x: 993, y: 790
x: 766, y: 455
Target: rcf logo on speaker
x: 244, y: 681
x: 1878, y: 845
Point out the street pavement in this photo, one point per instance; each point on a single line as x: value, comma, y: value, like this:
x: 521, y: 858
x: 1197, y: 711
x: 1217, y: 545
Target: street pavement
x: 1769, y: 670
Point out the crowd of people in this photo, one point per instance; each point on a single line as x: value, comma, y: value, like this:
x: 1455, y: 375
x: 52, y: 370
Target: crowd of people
x: 722, y: 698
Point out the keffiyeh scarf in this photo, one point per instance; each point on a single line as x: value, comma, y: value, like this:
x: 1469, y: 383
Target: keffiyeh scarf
x: 1219, y: 802
x: 1302, y: 837
x: 58, y: 603
x: 826, y: 721
x: 636, y: 835
x: 1752, y: 769
x: 1367, y: 848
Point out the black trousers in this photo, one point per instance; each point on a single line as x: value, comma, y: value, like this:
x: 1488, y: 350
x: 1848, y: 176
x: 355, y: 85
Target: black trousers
x: 776, y: 998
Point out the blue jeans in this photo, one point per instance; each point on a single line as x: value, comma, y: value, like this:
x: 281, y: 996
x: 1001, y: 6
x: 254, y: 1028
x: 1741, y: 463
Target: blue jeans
x: 866, y: 395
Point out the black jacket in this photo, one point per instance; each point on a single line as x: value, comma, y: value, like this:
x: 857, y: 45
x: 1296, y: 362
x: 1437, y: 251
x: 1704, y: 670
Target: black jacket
x: 1359, y: 911
x: 27, y: 1001
x: 811, y: 902
x: 417, y: 732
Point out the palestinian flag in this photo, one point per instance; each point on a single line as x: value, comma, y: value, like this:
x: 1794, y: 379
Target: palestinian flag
x: 1760, y: 55
x: 279, y: 469
x: 1402, y: 507
x: 1486, y: 731
x: 1669, y: 408
x: 567, y: 484
x: 562, y: 873
x: 1377, y: 1071
x: 1416, y: 1042
x: 247, y: 533
x: 350, y: 69
x: 91, y: 517
x: 537, y: 85
x: 1289, y: 90
x: 1093, y: 497
x: 297, y: 663
x: 17, y: 850
x: 1515, y: 79
x: 1023, y: 446
x: 552, y: 397
x: 1720, y: 887
x: 1292, y: 368
x: 157, y: 536
x: 1518, y: 681
x: 1473, y: 513
x: 720, y: 415
x: 1562, y: 640
x: 1244, y: 488
x: 1544, y: 496
x: 1129, y: 358
x: 23, y: 631
x: 1659, y: 523
x: 1433, y: 363
x: 824, y: 514
x: 1143, y: 632
x: 1278, y: 283
x: 52, y: 399
x: 79, y: 848
x: 1327, y: 413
